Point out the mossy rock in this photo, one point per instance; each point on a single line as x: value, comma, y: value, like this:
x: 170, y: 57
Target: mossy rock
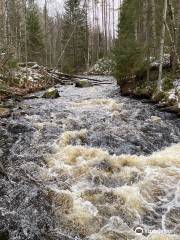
x: 4, y: 112
x: 51, y: 93
x: 83, y: 83
x: 159, y: 96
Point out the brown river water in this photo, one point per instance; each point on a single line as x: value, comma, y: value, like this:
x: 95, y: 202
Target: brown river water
x: 89, y: 165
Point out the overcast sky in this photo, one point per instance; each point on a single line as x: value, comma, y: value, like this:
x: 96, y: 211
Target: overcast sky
x: 53, y: 5
x: 57, y: 5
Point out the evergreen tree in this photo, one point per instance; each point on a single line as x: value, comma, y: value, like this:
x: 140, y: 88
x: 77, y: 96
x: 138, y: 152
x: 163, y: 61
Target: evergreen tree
x: 35, y: 45
x: 128, y: 51
x: 147, y: 31
x: 74, y: 21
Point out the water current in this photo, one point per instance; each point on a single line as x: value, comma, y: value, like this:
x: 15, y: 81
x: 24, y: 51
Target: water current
x: 89, y: 165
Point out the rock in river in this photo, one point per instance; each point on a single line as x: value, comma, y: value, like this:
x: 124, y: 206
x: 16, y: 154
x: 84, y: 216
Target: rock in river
x: 156, y: 119
x: 4, y: 112
x: 51, y: 93
x: 83, y: 83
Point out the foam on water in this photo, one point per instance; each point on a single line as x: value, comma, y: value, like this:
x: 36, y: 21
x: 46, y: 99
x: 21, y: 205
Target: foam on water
x: 110, y: 104
x: 69, y: 136
x: 109, y: 195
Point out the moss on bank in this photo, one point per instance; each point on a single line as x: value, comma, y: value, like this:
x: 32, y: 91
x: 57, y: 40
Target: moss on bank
x: 138, y: 86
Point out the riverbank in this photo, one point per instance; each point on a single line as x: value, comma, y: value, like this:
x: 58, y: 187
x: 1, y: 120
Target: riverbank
x: 138, y: 86
x: 11, y: 95
x: 23, y: 80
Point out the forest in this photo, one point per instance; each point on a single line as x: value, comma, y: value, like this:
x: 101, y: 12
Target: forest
x: 148, y: 47
x: 30, y: 32
x: 89, y: 119
x: 71, y: 40
x: 143, y: 49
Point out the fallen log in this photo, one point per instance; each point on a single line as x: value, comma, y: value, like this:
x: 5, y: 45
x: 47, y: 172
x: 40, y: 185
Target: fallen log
x: 102, y: 83
x: 73, y: 77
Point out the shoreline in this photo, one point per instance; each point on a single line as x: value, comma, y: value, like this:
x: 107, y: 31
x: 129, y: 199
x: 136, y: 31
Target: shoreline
x: 17, y: 94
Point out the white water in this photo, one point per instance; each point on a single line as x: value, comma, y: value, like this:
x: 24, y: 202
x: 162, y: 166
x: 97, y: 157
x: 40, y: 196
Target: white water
x: 91, y: 165
x: 110, y: 196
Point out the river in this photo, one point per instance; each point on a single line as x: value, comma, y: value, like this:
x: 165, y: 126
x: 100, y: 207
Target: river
x: 89, y: 165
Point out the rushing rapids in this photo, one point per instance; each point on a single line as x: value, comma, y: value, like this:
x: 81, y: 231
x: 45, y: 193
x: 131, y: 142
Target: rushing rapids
x: 89, y: 165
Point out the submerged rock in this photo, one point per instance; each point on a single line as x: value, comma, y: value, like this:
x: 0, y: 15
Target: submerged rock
x: 83, y: 83
x: 4, y: 112
x: 156, y: 119
x: 51, y: 93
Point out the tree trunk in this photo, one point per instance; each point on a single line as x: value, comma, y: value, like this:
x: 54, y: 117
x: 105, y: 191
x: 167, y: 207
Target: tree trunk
x: 154, y: 25
x: 178, y: 28
x: 45, y: 33
x: 159, y: 85
x: 25, y: 32
x: 173, y: 37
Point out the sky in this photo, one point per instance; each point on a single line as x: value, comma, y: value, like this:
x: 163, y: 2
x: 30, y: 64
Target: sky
x: 57, y: 5
x: 53, y: 5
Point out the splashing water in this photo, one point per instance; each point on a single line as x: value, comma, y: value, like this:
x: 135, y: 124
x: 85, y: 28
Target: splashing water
x: 129, y: 190
x: 90, y: 165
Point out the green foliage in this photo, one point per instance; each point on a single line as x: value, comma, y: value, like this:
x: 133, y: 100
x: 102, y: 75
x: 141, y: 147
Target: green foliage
x: 159, y: 95
x: 128, y: 52
x: 3, y: 85
x: 139, y: 40
x: 167, y: 83
x: 35, y: 45
x: 12, y: 63
x: 68, y: 67
x: 74, y: 21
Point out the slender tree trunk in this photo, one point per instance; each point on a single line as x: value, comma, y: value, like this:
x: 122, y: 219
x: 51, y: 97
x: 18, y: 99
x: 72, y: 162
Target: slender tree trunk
x: 178, y: 28
x: 162, y: 46
x: 25, y: 32
x: 113, y: 12
x: 154, y: 25
x: 45, y: 33
x: 173, y: 37
x: 148, y: 38
x: 6, y: 23
x: 87, y: 38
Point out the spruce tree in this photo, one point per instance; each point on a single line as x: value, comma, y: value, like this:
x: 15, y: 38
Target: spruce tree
x: 146, y: 34
x: 35, y: 45
x: 74, y: 21
x: 128, y: 51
